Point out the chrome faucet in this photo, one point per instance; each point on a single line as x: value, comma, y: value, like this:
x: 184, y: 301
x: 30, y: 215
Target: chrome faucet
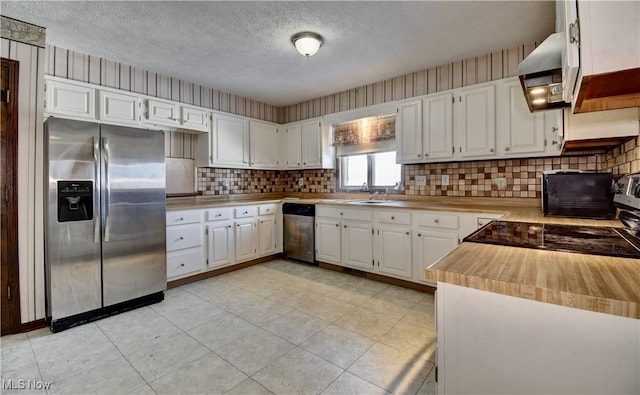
x: 373, y: 195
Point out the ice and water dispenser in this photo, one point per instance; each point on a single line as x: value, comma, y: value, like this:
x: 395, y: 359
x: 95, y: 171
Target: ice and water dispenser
x: 75, y: 201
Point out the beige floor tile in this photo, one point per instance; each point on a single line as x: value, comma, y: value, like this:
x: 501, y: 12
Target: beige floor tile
x: 351, y: 295
x: 18, y: 361
x: 114, y: 377
x: 296, y: 327
x: 248, y: 387
x: 160, y: 359
x: 254, y: 351
x: 207, y: 375
x: 429, y: 385
x: 222, y: 331
x: 137, y: 329
x: 144, y: 389
x: 298, y: 372
x: 404, y: 297
x: 422, y: 315
x: 349, y: 384
x: 263, y: 312
x: 326, y: 309
x: 384, y: 306
x: 392, y: 370
x: 367, y: 323
x: 412, y: 339
x: 65, y: 354
x: 294, y: 297
x: 338, y: 345
x: 186, y: 311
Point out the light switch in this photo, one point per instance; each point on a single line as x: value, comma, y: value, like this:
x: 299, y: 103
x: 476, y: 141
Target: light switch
x: 421, y: 180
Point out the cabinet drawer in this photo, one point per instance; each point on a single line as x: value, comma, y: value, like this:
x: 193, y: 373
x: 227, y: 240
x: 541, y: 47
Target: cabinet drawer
x: 438, y: 220
x: 182, y: 217
x: 184, y: 262
x: 267, y: 209
x: 394, y: 217
x: 245, y: 212
x: 218, y: 214
x: 180, y: 237
x: 344, y: 213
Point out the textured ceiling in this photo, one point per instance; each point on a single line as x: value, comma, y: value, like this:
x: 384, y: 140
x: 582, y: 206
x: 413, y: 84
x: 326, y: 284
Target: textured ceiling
x: 244, y: 48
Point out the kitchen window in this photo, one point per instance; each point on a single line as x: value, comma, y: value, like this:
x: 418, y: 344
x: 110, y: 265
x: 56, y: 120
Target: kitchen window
x: 369, y: 171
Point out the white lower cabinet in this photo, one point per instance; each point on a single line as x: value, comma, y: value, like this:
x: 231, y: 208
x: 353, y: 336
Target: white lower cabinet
x: 393, y: 251
x: 357, y: 244
x: 219, y: 244
x: 245, y: 239
x: 430, y: 246
x: 184, y: 243
x: 328, y: 245
x: 267, y: 243
x: 184, y: 262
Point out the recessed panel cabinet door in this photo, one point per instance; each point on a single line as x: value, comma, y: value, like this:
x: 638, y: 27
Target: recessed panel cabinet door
x: 294, y: 146
x: 437, y: 138
x: 431, y: 245
x: 311, y: 144
x: 475, y: 121
x: 328, y: 240
x: 230, y: 141
x: 266, y: 235
x: 357, y: 244
x: 263, y: 138
x: 245, y: 240
x: 70, y: 100
x: 524, y: 129
x: 219, y: 244
x: 409, y: 132
x: 119, y: 109
x: 394, y: 251
x: 195, y: 118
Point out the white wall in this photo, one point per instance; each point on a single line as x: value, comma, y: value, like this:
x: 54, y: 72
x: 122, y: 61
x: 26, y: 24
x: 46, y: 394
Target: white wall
x: 30, y: 176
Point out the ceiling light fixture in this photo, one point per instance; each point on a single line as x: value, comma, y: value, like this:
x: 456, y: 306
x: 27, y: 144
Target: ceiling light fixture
x: 307, y: 43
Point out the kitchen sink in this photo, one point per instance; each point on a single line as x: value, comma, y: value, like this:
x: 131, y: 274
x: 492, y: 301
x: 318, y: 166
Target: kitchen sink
x: 372, y: 201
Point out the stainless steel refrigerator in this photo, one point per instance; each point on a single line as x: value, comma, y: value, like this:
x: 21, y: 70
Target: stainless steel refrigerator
x: 105, y: 241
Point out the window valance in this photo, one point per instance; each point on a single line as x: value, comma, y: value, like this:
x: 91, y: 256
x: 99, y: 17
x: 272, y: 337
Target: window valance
x: 365, y: 130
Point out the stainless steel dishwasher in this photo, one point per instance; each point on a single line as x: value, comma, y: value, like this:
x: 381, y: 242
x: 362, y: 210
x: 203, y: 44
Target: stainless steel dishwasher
x: 299, y: 231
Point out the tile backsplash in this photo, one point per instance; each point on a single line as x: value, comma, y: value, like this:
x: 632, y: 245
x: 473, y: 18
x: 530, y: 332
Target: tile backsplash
x: 623, y: 159
x: 215, y: 181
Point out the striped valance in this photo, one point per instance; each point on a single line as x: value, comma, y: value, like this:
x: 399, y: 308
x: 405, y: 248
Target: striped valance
x: 365, y: 130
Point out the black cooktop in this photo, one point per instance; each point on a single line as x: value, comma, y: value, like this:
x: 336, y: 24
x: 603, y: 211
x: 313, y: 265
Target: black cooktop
x: 564, y: 238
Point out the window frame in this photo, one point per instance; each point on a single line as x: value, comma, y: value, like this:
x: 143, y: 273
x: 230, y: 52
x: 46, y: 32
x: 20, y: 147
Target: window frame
x: 341, y: 174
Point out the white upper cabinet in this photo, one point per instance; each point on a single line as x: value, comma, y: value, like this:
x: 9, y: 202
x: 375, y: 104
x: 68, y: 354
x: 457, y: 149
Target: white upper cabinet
x: 263, y: 138
x: 437, y: 138
x: 293, y: 152
x: 162, y: 113
x: 119, y: 108
x: 409, y: 135
x: 307, y: 145
x: 229, y: 141
x: 194, y: 118
x: 522, y: 132
x: 69, y: 100
x: 475, y: 121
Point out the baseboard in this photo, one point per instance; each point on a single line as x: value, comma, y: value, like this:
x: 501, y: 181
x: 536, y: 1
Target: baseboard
x: 223, y: 270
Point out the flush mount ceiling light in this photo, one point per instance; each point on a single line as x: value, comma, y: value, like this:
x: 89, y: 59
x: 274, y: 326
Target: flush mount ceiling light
x: 307, y: 43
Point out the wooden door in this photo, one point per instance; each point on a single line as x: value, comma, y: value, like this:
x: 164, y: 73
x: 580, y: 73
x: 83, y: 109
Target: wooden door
x: 9, y: 213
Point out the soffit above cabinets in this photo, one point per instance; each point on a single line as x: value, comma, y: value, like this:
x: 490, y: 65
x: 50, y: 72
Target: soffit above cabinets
x: 244, y: 48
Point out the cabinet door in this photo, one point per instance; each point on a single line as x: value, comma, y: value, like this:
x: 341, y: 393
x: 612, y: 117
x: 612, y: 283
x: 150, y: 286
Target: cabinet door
x: 393, y: 255
x: 294, y: 146
x: 475, y: 121
x: 219, y: 244
x: 160, y: 112
x: 195, y: 118
x: 523, y: 130
x: 431, y: 245
x: 70, y: 100
x: 312, y: 144
x: 409, y: 132
x: 357, y: 244
x: 230, y: 141
x: 263, y: 138
x: 437, y: 117
x: 119, y: 108
x: 328, y: 240
x: 266, y: 235
x: 245, y: 240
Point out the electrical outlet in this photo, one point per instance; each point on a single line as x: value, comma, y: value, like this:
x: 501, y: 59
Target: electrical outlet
x: 445, y: 179
x: 225, y: 182
x: 421, y: 181
x: 501, y: 182
x: 301, y: 181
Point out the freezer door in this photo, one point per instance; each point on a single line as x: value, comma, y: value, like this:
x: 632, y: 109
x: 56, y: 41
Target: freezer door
x: 133, y: 213
x: 72, y: 241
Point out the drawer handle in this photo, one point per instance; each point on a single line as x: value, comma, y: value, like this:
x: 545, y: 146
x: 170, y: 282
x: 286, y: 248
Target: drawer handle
x: 245, y: 212
x: 180, y: 219
x: 181, y: 238
x: 219, y: 215
x: 436, y: 221
x: 393, y: 218
x: 228, y: 226
x: 182, y: 265
x: 341, y: 213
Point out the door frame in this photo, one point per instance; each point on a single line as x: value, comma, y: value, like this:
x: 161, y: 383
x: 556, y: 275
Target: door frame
x: 11, y: 320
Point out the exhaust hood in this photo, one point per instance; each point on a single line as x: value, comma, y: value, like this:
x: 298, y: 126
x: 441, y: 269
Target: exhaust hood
x: 541, y: 75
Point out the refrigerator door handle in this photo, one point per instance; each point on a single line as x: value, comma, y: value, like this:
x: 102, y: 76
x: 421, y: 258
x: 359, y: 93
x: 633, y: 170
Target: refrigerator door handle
x: 107, y: 189
x: 96, y: 188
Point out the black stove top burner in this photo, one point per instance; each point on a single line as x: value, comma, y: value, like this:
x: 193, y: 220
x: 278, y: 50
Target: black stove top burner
x: 564, y: 238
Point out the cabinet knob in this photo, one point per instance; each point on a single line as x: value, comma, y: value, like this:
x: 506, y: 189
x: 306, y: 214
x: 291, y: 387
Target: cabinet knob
x: 298, y: 163
x: 340, y: 213
x: 337, y: 225
x: 181, y: 219
x: 419, y: 234
x: 304, y: 163
x: 393, y: 218
x: 245, y: 212
x: 181, y: 238
x: 219, y: 215
x: 407, y: 233
x: 182, y: 265
x: 506, y: 148
x: 554, y: 129
x: 345, y: 226
x: 436, y: 221
x: 491, y: 150
x: 419, y: 155
x: 425, y: 155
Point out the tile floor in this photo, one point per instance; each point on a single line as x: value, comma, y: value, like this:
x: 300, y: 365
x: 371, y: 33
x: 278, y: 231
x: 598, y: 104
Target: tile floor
x: 279, y: 327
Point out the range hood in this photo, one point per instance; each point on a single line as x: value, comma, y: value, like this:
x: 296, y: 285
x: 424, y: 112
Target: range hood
x: 541, y: 75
